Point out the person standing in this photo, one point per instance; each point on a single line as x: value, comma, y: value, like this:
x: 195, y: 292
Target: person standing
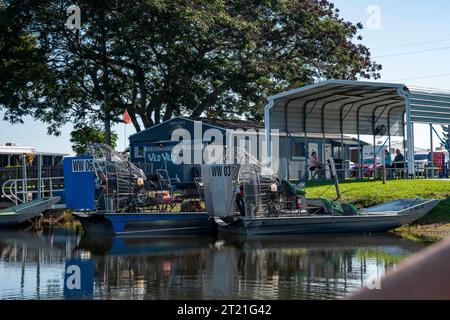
x: 399, y: 162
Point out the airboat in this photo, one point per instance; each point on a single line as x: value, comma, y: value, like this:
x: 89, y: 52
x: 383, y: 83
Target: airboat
x: 25, y: 211
x: 111, y: 196
x: 254, y: 201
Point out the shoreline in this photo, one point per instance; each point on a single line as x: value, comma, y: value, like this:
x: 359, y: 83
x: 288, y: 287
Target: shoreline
x: 434, y: 226
x: 424, y: 232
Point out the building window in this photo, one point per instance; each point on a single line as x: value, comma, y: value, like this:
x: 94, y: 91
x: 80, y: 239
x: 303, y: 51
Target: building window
x: 3, y: 161
x: 139, y: 152
x: 298, y: 149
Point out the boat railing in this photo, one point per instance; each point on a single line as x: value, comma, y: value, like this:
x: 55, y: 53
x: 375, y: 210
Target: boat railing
x: 23, y: 190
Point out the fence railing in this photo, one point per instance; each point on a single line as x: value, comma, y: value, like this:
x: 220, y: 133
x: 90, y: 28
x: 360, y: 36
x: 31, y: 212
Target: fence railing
x: 31, y: 172
x: 23, y: 190
x: 421, y: 170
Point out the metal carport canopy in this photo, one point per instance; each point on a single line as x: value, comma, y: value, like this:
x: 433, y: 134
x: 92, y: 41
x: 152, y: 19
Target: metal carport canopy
x: 356, y: 107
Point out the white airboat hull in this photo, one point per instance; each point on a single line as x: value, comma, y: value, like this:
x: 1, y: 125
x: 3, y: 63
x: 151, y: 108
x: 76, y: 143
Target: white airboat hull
x: 380, y: 218
x: 25, y: 211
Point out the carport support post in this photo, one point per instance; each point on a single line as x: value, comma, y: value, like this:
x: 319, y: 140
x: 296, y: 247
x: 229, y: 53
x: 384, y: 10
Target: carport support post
x: 342, y: 153
x: 286, y: 144
x: 383, y: 167
x: 359, y: 156
x: 431, y: 150
x: 306, y: 175
x: 404, y: 132
x: 389, y: 130
x: 342, y: 156
x: 360, y: 153
x: 409, y: 131
x: 374, y: 147
x: 324, y: 160
x: 448, y: 143
x: 410, y: 141
x: 374, y: 157
x: 386, y: 169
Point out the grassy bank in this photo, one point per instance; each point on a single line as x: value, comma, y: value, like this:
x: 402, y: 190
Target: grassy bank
x: 434, y: 226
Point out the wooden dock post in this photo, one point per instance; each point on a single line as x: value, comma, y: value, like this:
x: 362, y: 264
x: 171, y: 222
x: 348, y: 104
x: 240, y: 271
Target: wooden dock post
x: 335, y: 177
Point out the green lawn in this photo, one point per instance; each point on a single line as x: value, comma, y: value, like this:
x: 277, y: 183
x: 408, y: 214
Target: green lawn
x: 365, y: 193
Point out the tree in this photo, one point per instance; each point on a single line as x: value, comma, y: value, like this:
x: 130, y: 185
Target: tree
x: 51, y: 80
x: 83, y: 136
x: 24, y: 73
x: 160, y: 59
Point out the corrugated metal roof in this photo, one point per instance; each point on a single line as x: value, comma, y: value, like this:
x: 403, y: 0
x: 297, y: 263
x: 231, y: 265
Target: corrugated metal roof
x: 430, y: 105
x: 321, y: 107
x: 427, y: 105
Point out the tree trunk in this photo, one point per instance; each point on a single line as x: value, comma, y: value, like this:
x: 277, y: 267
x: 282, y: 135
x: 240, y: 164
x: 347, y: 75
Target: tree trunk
x: 157, y: 115
x: 134, y: 121
x: 145, y: 120
x: 210, y: 100
x: 169, y: 113
x: 107, y: 129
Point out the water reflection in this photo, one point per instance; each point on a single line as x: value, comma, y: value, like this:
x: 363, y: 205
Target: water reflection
x: 32, y: 265
x: 303, y: 267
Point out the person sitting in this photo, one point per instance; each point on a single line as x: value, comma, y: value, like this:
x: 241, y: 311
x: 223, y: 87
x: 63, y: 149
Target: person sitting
x: 399, y: 163
x: 387, y: 162
x: 314, y: 165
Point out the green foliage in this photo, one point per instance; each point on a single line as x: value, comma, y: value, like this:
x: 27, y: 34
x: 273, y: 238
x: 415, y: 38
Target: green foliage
x: 25, y: 76
x: 364, y: 193
x: 84, y: 136
x: 159, y: 59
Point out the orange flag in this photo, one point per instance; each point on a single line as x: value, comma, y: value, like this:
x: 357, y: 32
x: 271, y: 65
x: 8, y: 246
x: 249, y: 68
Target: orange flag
x: 126, y: 117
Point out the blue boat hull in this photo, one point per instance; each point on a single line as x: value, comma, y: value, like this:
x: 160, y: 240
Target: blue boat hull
x: 158, y: 224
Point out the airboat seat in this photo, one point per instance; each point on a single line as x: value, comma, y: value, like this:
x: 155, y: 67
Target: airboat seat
x: 292, y: 189
x: 349, y: 209
x: 329, y: 207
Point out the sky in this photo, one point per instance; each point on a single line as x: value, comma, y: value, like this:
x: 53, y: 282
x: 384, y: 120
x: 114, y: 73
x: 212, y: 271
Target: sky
x: 411, y: 39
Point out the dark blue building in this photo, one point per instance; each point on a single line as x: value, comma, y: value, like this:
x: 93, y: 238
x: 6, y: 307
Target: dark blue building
x: 154, y: 145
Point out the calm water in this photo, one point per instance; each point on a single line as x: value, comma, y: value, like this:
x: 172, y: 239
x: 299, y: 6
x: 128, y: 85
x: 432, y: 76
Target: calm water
x: 32, y: 265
